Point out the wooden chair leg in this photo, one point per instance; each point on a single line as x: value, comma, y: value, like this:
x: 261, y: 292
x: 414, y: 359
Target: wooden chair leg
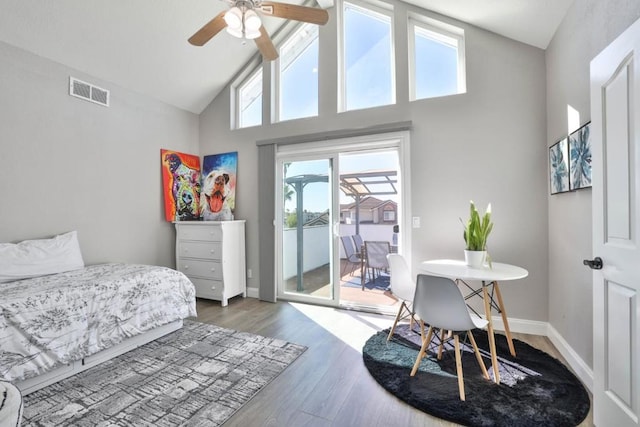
x: 423, y: 348
x: 395, y: 323
x: 478, y: 356
x: 456, y: 342
x: 442, y: 332
x: 411, y: 317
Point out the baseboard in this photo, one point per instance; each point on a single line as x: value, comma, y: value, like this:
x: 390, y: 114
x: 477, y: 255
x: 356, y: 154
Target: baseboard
x: 253, y: 292
x: 581, y: 369
x: 521, y: 326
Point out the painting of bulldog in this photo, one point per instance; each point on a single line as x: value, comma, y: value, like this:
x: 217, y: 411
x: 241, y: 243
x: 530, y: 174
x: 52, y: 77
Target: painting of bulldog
x: 218, y: 199
x: 181, y: 179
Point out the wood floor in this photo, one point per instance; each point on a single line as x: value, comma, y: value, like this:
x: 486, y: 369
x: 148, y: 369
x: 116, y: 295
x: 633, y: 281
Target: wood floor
x: 328, y: 385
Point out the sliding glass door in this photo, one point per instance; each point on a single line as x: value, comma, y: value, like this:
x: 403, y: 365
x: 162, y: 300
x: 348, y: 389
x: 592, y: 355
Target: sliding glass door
x: 305, y: 223
x: 332, y: 197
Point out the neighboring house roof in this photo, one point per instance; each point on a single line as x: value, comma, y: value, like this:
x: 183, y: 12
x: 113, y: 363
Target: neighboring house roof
x: 319, y: 220
x: 369, y: 203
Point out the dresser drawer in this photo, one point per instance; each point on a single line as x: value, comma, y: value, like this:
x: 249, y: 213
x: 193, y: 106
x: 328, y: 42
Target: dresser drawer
x: 207, y: 250
x: 201, y: 232
x: 206, y: 269
x: 205, y: 288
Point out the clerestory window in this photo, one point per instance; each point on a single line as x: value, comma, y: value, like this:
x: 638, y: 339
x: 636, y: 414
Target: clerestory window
x: 297, y: 79
x: 436, y: 59
x: 249, y: 101
x: 367, y: 74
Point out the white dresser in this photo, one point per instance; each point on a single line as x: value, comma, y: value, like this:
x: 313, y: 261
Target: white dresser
x: 212, y: 255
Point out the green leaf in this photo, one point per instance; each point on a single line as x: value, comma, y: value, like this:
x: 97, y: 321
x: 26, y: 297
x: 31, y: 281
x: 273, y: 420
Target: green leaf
x: 477, y: 229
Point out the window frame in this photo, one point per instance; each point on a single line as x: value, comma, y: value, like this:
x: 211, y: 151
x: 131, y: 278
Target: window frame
x: 374, y: 7
x: 440, y: 32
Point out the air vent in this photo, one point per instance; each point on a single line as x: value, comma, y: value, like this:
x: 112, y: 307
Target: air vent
x: 88, y: 92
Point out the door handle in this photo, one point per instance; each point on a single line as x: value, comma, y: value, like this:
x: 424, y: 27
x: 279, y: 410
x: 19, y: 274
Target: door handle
x: 594, y: 264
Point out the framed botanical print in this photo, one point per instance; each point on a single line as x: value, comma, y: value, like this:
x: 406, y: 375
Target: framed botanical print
x: 580, y: 158
x: 559, y: 166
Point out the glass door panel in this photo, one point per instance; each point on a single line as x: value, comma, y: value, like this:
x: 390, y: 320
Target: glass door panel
x: 306, y: 238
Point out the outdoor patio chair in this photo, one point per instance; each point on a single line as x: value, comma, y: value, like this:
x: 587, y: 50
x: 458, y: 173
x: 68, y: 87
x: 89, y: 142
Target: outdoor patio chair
x: 376, y: 257
x: 439, y: 303
x: 353, y: 259
x: 357, y: 239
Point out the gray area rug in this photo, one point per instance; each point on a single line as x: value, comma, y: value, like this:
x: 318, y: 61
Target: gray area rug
x: 197, y: 376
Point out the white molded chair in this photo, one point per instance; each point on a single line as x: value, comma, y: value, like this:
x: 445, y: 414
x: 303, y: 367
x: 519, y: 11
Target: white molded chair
x: 439, y: 303
x: 403, y: 287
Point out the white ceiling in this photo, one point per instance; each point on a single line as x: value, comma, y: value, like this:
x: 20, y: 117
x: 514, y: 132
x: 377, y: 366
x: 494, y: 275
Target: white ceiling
x: 141, y: 45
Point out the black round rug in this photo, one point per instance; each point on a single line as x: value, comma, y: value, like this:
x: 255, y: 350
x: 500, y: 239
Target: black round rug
x: 535, y: 389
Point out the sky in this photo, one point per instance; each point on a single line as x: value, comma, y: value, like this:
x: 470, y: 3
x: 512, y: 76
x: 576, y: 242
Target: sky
x: 369, y: 64
x: 316, y: 196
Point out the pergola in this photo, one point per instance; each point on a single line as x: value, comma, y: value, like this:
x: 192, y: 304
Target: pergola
x: 356, y: 185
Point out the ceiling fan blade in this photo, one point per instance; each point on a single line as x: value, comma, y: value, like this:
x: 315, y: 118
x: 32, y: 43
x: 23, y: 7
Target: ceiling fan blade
x: 299, y: 13
x: 265, y: 45
x: 209, y: 30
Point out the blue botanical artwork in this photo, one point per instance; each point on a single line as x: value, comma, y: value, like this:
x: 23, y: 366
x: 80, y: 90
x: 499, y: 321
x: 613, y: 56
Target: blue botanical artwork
x: 580, y: 158
x: 559, y: 166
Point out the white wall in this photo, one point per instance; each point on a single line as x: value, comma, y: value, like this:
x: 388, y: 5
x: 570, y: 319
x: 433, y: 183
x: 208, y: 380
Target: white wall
x: 316, y: 249
x: 484, y: 145
x: 68, y: 164
x: 589, y: 26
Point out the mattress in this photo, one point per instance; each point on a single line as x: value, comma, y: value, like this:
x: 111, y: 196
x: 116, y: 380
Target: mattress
x: 53, y: 320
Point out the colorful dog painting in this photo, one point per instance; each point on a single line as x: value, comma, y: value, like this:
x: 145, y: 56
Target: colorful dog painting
x: 219, y: 186
x: 181, y: 179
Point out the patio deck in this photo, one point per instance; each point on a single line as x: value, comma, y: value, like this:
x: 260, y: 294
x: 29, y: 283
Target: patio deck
x: 351, y: 293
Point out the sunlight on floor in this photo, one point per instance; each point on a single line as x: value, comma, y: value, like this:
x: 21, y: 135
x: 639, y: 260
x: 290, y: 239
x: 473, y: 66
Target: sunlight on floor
x: 351, y: 327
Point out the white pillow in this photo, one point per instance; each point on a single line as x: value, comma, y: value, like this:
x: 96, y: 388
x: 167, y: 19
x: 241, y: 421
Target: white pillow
x: 10, y: 405
x: 33, y: 258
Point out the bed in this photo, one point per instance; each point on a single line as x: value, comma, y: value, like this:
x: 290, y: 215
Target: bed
x: 56, y: 325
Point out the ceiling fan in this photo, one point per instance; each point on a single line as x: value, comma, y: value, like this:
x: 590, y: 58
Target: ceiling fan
x: 242, y: 21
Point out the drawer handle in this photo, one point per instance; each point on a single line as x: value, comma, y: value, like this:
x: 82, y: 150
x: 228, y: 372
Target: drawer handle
x: 186, y: 267
x: 213, y: 269
x: 213, y: 251
x: 213, y: 288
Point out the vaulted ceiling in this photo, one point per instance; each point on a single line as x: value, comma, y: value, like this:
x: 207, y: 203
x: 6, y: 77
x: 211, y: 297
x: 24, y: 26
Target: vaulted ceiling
x: 141, y: 45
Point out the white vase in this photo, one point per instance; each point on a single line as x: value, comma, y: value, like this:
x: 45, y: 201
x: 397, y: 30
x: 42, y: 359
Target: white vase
x: 475, y: 259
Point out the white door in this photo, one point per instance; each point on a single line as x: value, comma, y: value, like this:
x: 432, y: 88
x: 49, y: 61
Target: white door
x: 615, y: 133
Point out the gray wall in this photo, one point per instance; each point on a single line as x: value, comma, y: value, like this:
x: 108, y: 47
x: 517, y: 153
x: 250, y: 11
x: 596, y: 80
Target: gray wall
x: 486, y: 145
x: 68, y: 164
x: 589, y: 26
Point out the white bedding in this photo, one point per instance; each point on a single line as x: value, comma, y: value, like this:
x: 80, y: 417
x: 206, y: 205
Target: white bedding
x: 52, y: 320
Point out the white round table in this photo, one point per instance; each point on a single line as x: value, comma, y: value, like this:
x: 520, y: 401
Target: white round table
x: 489, y: 276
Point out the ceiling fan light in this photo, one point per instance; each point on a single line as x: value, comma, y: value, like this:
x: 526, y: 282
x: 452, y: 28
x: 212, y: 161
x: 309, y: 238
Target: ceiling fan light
x: 251, y: 21
x: 233, y: 18
x: 234, y: 32
x: 251, y: 34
